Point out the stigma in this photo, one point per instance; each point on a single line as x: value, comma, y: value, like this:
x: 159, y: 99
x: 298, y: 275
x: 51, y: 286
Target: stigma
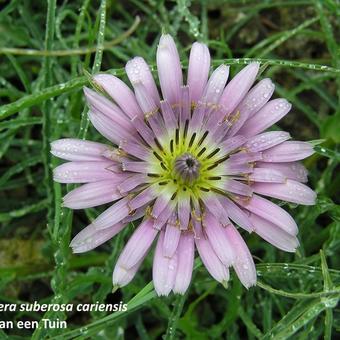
x: 187, y: 167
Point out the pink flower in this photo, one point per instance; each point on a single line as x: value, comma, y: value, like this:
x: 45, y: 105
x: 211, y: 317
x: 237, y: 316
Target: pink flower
x: 190, y: 165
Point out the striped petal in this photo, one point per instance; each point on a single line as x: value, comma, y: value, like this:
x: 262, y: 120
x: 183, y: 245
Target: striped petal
x: 171, y: 239
x: 185, y: 263
x: 218, y: 239
x: 253, y: 101
x: 211, y: 261
x: 243, y: 263
x: 271, y: 212
x: 78, y: 150
x: 198, y: 70
x: 288, y: 152
x: 109, y: 129
x: 84, y: 172
x: 266, y: 140
x: 236, y: 214
x: 215, y: 85
x: 103, y: 105
x: 267, y: 175
x: 93, y: 194
x: 164, y: 269
x: 273, y: 234
x: 292, y: 170
x: 117, y: 212
x: 139, y: 71
x: 238, y: 87
x: 271, y: 113
x: 290, y: 191
x: 120, y: 93
x: 169, y: 69
x: 138, y: 245
x: 90, y: 238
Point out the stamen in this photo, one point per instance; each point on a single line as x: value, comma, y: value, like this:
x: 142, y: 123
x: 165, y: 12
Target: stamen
x: 186, y: 128
x: 192, y: 139
x: 177, y: 136
x: 158, y: 144
x: 203, y: 137
x: 158, y: 156
x: 153, y: 175
x: 172, y: 146
x: 213, y: 153
x: 201, y: 152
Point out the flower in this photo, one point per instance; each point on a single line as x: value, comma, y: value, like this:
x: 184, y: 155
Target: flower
x: 190, y: 165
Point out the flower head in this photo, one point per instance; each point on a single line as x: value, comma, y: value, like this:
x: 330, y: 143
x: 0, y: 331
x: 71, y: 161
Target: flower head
x: 190, y: 165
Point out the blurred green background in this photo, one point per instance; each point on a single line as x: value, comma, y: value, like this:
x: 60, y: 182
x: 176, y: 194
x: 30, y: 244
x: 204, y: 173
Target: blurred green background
x: 48, y: 49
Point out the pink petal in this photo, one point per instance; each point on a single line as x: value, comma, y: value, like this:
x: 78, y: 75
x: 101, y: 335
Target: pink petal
x: 218, y: 239
x: 171, y: 238
x: 266, y: 140
x: 184, y: 210
x: 230, y: 168
x: 112, y: 215
x: 245, y: 157
x: 273, y: 234
x: 168, y: 115
x: 216, y: 208
x: 185, y: 258
x: 144, y: 197
x: 195, y: 123
x: 145, y: 132
x: 157, y: 125
x: 271, y: 212
x: 243, y: 264
x: 267, y: 175
x: 236, y: 214
x: 92, y: 194
x: 290, y: 191
x: 169, y: 69
x: 135, y: 149
x: 135, y: 166
x: 83, y: 172
x: 135, y: 215
x: 236, y: 187
x: 292, y: 170
x: 215, y: 85
x: 271, y: 113
x: 120, y: 93
x: 122, y: 276
x: 99, y: 103
x: 198, y: 71
x: 210, y: 260
x: 138, y: 245
x: 138, y: 71
x: 288, y: 152
x: 109, y: 129
x: 185, y: 107
x: 164, y: 216
x: 253, y: 101
x: 238, y: 87
x: 78, y: 150
x: 163, y: 200
x: 131, y: 182
x: 164, y: 269
x: 90, y: 238
x: 114, y: 154
x: 257, y: 97
x: 145, y: 100
x: 232, y: 144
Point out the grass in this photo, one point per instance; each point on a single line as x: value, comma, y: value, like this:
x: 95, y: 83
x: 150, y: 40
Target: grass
x: 48, y: 51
